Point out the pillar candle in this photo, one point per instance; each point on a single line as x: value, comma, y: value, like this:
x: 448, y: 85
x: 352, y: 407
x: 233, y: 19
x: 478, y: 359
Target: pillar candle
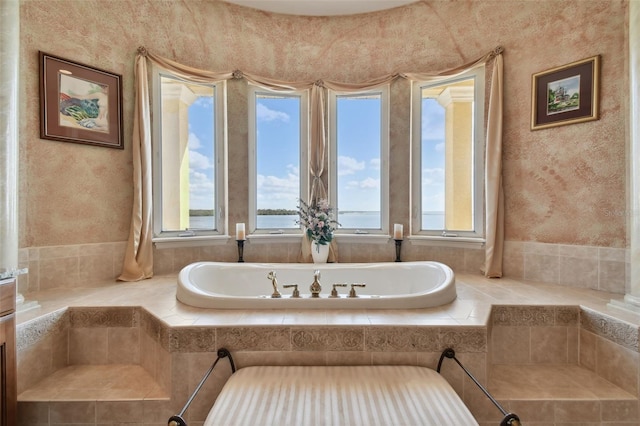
x: 397, y: 231
x: 240, y: 235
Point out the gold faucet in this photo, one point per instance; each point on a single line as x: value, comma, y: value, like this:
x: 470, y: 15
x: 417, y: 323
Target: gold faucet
x: 274, y: 282
x: 352, y: 292
x: 296, y: 293
x: 334, y: 291
x: 315, y: 287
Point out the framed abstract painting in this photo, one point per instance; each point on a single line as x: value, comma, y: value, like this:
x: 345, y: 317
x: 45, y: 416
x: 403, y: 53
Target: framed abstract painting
x: 79, y: 103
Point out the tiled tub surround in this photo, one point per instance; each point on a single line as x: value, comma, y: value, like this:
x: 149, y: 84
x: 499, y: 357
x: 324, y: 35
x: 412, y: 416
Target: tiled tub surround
x: 554, y: 355
x: 82, y: 265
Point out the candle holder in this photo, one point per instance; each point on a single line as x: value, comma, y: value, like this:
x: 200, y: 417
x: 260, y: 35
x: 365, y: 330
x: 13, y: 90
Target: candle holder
x: 240, y: 250
x: 398, y: 247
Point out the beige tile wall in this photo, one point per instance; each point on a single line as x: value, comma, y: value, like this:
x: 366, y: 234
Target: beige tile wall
x: 83, y: 336
x: 534, y: 335
x: 88, y: 265
x: 611, y: 349
x: 521, y: 335
x: 598, y: 268
x: 42, y: 348
x: 567, y: 335
x: 177, y: 357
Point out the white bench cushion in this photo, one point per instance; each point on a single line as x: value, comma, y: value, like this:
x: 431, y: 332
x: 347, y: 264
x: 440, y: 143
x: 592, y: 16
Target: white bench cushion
x: 338, y: 395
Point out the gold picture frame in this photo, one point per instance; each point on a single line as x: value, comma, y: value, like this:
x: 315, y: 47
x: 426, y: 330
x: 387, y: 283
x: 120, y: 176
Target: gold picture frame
x: 566, y: 95
x: 79, y: 103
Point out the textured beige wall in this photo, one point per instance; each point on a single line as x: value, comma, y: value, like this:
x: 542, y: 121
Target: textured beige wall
x: 564, y: 185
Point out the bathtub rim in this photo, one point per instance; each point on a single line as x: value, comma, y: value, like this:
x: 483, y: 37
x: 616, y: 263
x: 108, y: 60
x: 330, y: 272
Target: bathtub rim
x: 443, y: 294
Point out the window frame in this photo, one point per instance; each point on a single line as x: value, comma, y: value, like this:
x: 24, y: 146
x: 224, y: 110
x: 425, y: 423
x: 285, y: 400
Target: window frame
x: 190, y: 237
x: 383, y: 91
x: 477, y: 235
x: 253, y: 92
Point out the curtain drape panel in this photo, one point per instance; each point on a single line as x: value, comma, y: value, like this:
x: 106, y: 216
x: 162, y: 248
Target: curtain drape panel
x: 138, y: 262
x: 138, y: 259
x: 494, y: 195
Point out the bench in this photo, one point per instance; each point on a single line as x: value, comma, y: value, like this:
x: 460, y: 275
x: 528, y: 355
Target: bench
x: 338, y: 395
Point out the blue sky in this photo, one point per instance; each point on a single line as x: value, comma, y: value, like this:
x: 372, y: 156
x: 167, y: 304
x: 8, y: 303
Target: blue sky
x: 358, y: 126
x: 201, y: 131
x: 278, y: 154
x: 432, y: 156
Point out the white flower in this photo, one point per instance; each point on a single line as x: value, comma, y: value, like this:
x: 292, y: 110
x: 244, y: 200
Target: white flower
x: 317, y: 219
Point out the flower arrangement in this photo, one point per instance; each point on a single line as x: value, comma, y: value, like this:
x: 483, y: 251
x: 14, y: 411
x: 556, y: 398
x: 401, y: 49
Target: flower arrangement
x: 318, y: 220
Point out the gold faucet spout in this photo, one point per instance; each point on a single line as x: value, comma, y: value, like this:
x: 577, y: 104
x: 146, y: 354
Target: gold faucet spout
x: 274, y: 282
x: 315, y: 287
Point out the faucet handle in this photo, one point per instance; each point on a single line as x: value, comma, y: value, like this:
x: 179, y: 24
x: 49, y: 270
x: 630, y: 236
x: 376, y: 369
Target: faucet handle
x: 296, y: 293
x: 334, y: 291
x: 352, y: 292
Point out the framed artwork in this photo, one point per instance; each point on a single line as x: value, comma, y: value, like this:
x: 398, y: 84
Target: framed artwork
x: 565, y: 95
x: 79, y: 103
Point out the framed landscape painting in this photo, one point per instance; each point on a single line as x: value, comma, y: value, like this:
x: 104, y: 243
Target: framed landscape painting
x: 79, y: 103
x: 566, y: 95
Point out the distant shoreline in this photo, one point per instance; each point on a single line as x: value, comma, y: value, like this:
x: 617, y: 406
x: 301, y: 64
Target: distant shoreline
x: 274, y: 212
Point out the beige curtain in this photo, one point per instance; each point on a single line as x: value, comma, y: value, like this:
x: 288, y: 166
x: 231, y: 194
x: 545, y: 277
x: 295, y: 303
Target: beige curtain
x: 316, y: 164
x: 494, y: 196
x: 138, y: 262
x: 138, y: 259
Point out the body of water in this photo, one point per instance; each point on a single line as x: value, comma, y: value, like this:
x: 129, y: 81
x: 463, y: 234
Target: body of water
x: 356, y: 220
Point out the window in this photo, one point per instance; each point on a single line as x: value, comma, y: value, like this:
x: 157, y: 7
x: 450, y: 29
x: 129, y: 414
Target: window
x: 278, y: 169
x: 448, y: 156
x: 358, y: 160
x: 189, y: 157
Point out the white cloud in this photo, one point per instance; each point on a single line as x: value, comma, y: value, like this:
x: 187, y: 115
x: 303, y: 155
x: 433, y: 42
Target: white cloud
x: 293, y: 170
x: 433, y: 177
x: 279, y: 192
x: 433, y: 202
x: 432, y: 121
x: 201, y: 190
x: 439, y: 147
x: 265, y: 114
x: 349, y: 165
x: 367, y: 183
x: 204, y: 101
x: 375, y: 163
x: 199, y: 161
x: 194, y: 142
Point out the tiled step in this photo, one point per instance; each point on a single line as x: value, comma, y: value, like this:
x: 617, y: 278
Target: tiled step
x: 90, y: 394
x: 113, y: 382
x: 561, y: 394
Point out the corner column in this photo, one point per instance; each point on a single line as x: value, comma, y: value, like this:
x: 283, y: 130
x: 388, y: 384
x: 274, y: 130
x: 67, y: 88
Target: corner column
x: 457, y: 102
x: 9, y: 83
x: 632, y: 297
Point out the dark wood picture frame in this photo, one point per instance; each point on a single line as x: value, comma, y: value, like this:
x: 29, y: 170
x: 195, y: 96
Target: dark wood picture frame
x: 79, y: 103
x: 566, y: 95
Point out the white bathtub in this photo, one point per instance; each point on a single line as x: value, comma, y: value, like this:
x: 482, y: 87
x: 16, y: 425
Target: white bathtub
x: 393, y: 285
